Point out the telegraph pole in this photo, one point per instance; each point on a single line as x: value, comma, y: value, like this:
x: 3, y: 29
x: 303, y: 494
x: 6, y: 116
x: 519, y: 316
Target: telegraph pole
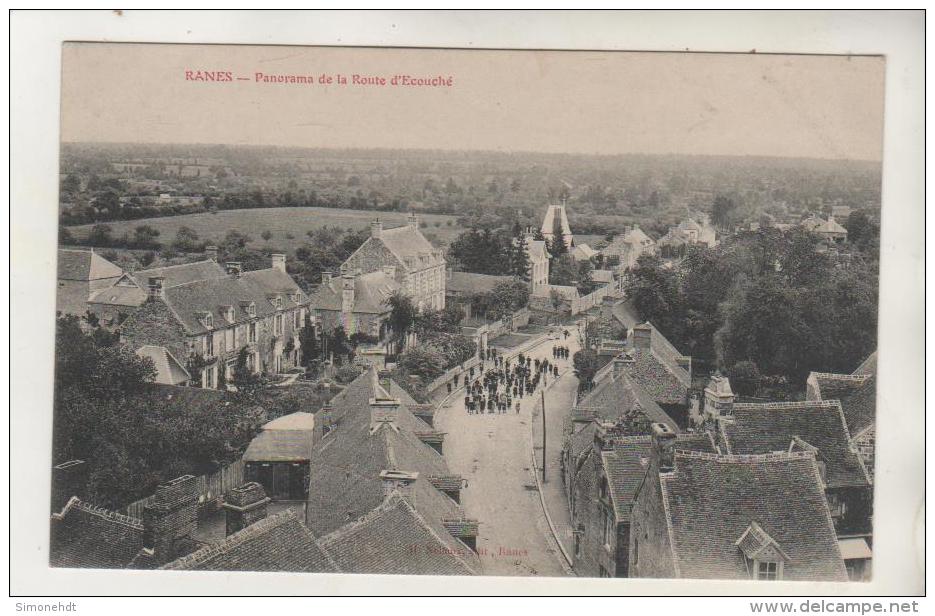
x: 543, y: 435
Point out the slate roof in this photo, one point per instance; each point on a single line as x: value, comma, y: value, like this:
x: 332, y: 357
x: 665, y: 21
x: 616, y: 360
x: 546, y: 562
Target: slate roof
x: 583, y: 252
x: 85, y: 265
x: 188, y: 301
x: 371, y: 291
x: 396, y: 538
x: 857, y: 394
x: 119, y: 295
x: 625, y: 313
x: 868, y: 366
x: 407, y: 242
x: 565, y: 291
x: 169, y: 370
x: 467, y: 282
x: 615, y: 396
x: 626, y: 464
x: 760, y: 428
x: 277, y: 543
x: 292, y: 421
x: 346, y: 463
x: 180, y: 274
x: 83, y: 535
x: 711, y: 500
x: 634, y: 239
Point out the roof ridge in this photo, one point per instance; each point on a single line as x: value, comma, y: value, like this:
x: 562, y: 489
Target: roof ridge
x: 388, y: 503
x: 161, y: 267
x: 124, y: 520
x: 210, y: 551
x: 750, y: 458
x: 421, y: 518
x: 799, y: 404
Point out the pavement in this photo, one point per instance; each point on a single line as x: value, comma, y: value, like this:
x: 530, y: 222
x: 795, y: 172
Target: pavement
x: 493, y: 453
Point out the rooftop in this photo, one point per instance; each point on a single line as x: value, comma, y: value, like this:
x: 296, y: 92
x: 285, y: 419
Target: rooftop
x: 711, y: 501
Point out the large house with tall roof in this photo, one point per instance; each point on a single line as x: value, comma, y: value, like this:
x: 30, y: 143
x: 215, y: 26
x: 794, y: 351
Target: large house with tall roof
x: 207, y: 323
x: 406, y: 256
x: 718, y: 516
x: 627, y: 247
x: 355, y: 301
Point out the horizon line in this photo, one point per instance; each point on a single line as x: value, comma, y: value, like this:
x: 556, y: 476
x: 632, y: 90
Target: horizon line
x: 877, y: 161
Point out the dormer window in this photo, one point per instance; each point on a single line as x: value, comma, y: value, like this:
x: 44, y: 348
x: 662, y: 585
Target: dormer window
x: 206, y: 319
x: 276, y: 301
x: 761, y: 554
x: 249, y: 308
x: 227, y: 312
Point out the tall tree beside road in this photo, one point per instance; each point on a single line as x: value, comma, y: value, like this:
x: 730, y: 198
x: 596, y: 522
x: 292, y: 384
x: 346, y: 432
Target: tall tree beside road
x: 403, y: 315
x: 586, y: 366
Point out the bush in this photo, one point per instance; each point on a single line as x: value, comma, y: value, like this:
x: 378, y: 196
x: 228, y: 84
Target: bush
x: 346, y: 373
x: 745, y: 378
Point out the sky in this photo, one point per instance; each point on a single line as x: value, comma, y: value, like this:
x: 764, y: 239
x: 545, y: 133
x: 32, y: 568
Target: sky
x: 538, y: 101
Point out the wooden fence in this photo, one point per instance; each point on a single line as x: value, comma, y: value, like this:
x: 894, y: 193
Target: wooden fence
x: 211, y: 488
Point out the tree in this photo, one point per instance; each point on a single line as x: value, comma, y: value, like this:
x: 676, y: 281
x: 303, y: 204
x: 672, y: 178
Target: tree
x: 556, y: 245
x: 267, y: 235
x: 745, y: 378
x: 247, y: 382
x: 655, y: 293
x: 586, y: 365
x: 71, y: 184
x: 506, y: 298
x: 403, y: 314
x: 145, y: 236
x: 424, y: 361
x: 186, y: 240
x: 518, y: 255
x: 723, y: 210
x: 101, y: 235
x: 563, y: 271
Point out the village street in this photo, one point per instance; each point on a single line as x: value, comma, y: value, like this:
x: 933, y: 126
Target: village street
x: 493, y: 452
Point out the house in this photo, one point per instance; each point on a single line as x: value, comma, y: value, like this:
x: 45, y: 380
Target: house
x: 407, y: 257
x: 555, y: 216
x: 717, y: 516
x: 583, y: 252
x: 610, y: 470
x: 114, y: 303
x: 257, y: 542
x: 355, y: 301
x: 857, y: 394
x: 462, y: 287
x: 687, y: 233
x: 208, y: 323
x: 660, y: 369
x: 81, y: 274
x: 278, y: 457
x: 379, y: 485
x: 817, y: 427
x: 829, y: 229
x: 627, y: 247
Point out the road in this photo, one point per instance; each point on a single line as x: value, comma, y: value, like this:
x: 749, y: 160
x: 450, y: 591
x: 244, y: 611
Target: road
x: 494, y: 454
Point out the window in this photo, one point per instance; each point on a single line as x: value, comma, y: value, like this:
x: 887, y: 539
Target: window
x: 604, y: 488
x: 767, y: 570
x: 252, y: 333
x: 608, y: 531
x: 209, y: 345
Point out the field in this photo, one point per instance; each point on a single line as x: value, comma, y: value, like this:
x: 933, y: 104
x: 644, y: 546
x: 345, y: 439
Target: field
x: 287, y: 225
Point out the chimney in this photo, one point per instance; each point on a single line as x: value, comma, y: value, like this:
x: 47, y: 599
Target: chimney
x: 326, y: 277
x: 383, y: 411
x: 400, y: 481
x: 157, y: 287
x: 243, y: 506
x: 413, y: 220
x: 718, y: 397
x: 279, y: 262
x: 68, y: 479
x: 376, y: 229
x: 643, y: 336
x: 212, y: 253
x: 169, y: 517
x: 606, y: 436
x: 663, y: 449
x: 622, y: 363
x: 383, y: 376
x: 233, y: 269
x: 347, y: 293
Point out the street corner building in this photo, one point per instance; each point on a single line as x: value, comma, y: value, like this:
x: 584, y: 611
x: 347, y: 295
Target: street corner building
x: 724, y: 516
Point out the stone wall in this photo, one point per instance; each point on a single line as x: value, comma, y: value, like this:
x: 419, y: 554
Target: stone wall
x: 650, y: 554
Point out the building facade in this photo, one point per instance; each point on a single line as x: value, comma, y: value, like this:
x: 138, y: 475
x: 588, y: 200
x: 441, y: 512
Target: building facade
x: 408, y: 257
x: 208, y: 323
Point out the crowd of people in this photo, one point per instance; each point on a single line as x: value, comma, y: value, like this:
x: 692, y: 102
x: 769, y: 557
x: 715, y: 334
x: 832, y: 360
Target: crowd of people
x: 501, y: 383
